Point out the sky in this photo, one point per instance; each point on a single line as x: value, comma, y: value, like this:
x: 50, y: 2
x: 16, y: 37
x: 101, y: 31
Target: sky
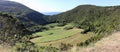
x: 63, y: 5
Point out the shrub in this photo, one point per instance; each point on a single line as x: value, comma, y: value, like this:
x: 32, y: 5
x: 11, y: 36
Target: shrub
x: 85, y: 31
x: 61, y: 24
x: 65, y: 46
x: 52, y: 26
x: 68, y: 28
x: 50, y: 33
x: 29, y: 47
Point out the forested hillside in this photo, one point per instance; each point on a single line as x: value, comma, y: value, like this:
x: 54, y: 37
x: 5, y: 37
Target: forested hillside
x: 26, y: 15
x: 91, y: 18
x: 11, y: 30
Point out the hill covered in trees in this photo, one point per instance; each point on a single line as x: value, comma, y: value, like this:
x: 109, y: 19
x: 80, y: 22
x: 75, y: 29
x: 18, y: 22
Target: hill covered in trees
x: 91, y: 18
x: 11, y: 30
x: 26, y: 15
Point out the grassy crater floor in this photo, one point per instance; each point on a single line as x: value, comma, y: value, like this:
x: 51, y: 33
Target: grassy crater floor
x: 57, y: 35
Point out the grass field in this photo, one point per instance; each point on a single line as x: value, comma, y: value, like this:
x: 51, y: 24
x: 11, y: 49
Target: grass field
x: 58, y: 35
x: 73, y: 40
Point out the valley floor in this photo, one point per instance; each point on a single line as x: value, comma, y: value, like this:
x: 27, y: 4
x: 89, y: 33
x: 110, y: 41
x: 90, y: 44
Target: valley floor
x: 107, y: 44
x: 58, y: 35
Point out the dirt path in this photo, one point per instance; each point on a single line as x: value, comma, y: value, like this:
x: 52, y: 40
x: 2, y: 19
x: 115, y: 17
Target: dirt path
x: 107, y: 44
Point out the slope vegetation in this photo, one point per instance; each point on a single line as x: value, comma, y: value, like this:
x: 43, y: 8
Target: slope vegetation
x: 26, y: 15
x: 100, y: 20
x: 11, y: 30
x: 106, y: 44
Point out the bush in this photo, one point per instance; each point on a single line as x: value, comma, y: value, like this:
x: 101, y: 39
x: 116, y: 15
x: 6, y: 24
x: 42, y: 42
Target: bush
x: 85, y: 31
x: 65, y: 46
x: 52, y: 26
x: 68, y: 28
x: 51, y: 34
x: 61, y: 24
x: 44, y: 28
x: 28, y: 47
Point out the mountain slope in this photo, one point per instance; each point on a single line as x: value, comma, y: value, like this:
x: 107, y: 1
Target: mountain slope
x: 26, y: 15
x: 88, y: 11
x: 11, y: 30
x: 106, y: 44
x: 91, y: 18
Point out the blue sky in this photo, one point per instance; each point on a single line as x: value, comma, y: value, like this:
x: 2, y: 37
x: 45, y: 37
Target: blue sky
x: 63, y: 5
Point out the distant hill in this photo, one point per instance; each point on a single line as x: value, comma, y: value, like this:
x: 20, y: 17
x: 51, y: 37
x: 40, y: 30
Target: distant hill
x: 51, y: 13
x: 26, y: 15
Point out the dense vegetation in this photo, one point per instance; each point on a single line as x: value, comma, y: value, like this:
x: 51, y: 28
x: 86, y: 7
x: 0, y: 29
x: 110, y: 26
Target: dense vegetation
x: 11, y: 30
x: 91, y: 18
